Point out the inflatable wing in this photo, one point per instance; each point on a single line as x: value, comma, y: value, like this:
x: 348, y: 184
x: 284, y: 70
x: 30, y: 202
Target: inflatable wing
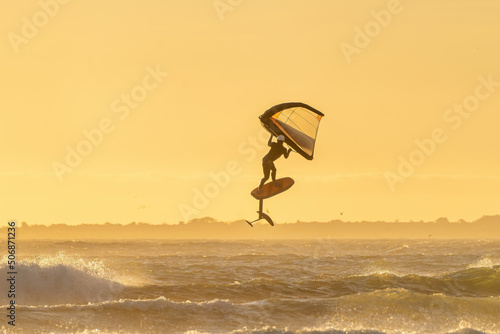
x: 298, y: 122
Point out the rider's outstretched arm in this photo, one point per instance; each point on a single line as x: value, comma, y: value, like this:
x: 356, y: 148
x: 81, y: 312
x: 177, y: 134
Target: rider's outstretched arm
x: 270, y: 140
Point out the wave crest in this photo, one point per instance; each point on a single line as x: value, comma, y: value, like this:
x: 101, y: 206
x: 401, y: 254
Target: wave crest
x: 62, y: 280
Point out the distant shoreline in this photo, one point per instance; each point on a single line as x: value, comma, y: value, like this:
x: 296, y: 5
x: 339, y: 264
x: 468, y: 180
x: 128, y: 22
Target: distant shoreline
x: 487, y: 227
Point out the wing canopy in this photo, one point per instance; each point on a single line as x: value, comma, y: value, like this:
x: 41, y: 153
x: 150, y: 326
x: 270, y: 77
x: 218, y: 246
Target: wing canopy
x: 298, y: 122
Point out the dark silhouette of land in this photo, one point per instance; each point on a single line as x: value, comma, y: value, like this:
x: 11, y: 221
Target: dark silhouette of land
x: 487, y: 227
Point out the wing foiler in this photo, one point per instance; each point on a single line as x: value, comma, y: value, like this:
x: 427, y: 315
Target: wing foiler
x: 298, y: 122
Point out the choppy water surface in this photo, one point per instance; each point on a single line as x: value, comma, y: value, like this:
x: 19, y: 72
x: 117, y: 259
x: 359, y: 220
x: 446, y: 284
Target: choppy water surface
x: 308, y: 286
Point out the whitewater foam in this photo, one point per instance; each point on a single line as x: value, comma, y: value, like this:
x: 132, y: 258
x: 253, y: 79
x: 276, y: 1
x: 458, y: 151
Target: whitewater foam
x: 63, y: 280
x: 354, y: 287
x: 485, y: 261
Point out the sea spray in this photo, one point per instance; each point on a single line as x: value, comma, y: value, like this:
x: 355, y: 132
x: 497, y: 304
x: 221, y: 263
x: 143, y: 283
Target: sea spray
x: 64, y: 280
x: 343, y: 286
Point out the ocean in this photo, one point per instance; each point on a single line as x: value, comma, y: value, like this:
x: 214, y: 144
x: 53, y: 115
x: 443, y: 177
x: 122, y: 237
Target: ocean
x: 306, y: 286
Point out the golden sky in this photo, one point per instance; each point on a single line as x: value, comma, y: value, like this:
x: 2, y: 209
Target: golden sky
x: 161, y: 99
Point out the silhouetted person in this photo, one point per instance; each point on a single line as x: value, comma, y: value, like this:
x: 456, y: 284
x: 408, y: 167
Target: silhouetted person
x: 277, y: 149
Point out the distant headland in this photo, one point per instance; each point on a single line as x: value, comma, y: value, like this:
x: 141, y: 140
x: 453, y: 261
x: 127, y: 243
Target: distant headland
x: 487, y: 227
